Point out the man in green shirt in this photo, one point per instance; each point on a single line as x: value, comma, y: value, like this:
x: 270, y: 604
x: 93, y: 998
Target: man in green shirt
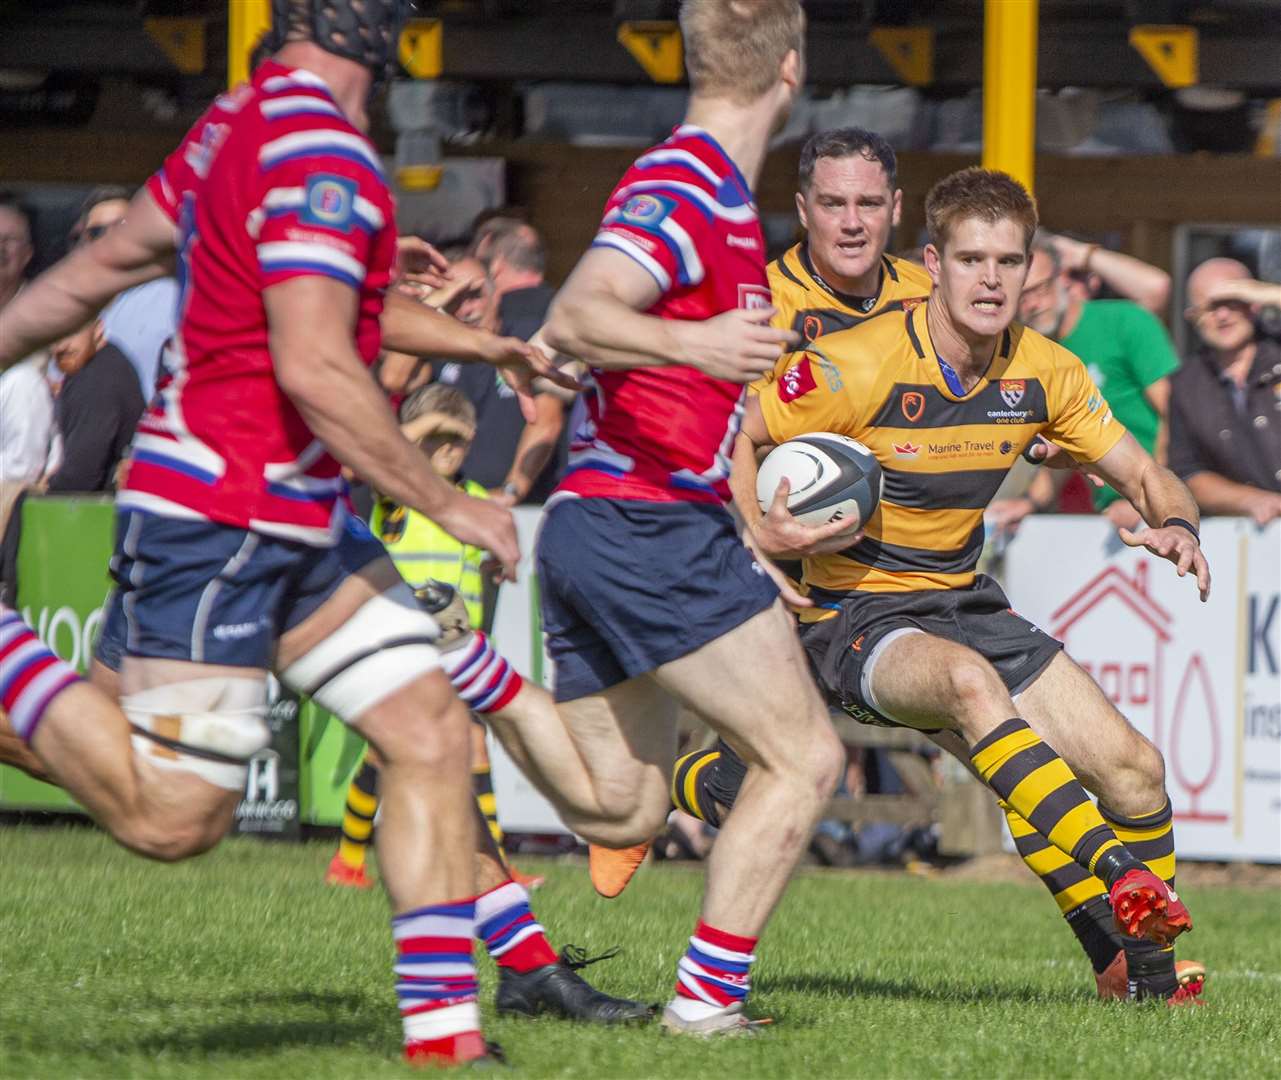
x: 1122, y: 343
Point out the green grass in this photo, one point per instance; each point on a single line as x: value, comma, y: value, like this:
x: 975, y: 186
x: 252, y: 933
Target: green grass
x: 242, y: 964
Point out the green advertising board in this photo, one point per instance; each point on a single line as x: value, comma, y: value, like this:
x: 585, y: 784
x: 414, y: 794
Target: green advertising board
x: 62, y: 585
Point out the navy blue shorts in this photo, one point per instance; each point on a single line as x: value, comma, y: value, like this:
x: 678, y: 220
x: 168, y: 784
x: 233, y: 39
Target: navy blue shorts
x: 216, y: 594
x: 629, y: 586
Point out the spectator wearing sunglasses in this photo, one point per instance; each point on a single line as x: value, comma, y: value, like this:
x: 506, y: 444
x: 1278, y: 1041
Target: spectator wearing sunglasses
x: 1225, y: 402
x: 139, y: 321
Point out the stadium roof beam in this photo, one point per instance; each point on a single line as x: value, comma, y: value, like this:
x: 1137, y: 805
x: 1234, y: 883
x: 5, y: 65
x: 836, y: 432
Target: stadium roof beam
x: 1081, y: 52
x: 1085, y: 45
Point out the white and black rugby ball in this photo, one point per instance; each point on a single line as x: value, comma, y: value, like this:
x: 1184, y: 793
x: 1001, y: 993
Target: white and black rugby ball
x: 832, y: 477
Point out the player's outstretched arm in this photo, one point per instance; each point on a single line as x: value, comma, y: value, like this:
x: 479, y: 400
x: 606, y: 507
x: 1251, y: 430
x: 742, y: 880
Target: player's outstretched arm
x: 413, y: 328
x: 71, y: 292
x: 311, y: 321
x: 1164, y: 502
x: 599, y: 317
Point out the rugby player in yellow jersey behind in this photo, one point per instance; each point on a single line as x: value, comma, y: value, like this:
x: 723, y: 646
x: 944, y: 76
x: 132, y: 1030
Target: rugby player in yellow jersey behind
x: 839, y: 275
x: 902, y: 630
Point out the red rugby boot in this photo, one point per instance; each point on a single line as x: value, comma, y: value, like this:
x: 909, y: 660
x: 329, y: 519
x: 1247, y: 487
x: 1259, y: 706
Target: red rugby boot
x: 1144, y: 906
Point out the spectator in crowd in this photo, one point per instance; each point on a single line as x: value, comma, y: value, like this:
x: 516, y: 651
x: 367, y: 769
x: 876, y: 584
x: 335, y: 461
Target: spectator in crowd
x: 1122, y: 343
x: 26, y: 401
x: 139, y: 321
x: 515, y: 460
x: 517, y: 264
x: 26, y: 421
x: 15, y: 245
x: 1225, y: 404
x: 97, y: 410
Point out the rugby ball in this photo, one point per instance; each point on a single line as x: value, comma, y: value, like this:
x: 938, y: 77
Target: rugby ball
x: 831, y: 477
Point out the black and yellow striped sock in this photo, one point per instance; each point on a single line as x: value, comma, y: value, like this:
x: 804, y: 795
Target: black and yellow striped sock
x: 1151, y: 838
x: 482, y: 786
x: 358, y: 817
x: 690, y: 791
x: 1080, y: 896
x: 1030, y: 777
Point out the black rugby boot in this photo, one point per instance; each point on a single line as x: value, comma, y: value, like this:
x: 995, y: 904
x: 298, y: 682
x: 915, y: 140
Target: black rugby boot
x: 559, y: 989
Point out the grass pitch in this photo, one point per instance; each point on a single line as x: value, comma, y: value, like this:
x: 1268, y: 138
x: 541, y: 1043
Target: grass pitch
x: 242, y: 964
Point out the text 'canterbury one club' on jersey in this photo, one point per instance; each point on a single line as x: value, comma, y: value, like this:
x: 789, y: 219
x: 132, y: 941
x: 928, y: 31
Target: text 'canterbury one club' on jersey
x: 271, y: 184
x: 684, y: 212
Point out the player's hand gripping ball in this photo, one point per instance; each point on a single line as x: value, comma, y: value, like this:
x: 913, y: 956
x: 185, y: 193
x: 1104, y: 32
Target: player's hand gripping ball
x: 832, y: 478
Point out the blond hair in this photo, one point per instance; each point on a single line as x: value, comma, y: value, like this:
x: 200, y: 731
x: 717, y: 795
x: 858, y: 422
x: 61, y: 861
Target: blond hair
x: 437, y: 410
x: 733, y: 48
x: 985, y: 194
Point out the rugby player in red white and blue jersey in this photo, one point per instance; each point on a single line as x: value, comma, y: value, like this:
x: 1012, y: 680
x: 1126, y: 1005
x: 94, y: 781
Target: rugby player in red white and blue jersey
x: 233, y: 555
x: 650, y: 598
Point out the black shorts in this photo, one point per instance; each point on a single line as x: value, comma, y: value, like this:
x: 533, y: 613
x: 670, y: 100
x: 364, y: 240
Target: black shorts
x: 627, y: 586
x: 843, y: 650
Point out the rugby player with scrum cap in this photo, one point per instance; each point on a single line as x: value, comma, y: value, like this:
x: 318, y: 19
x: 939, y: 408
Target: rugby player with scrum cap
x: 234, y: 552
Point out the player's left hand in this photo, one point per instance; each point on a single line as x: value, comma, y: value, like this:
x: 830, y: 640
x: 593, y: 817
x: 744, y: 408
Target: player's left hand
x: 1176, y: 544
x: 419, y: 264
x: 521, y: 363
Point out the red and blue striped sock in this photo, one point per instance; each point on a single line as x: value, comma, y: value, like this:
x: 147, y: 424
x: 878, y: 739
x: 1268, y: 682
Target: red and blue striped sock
x: 436, y: 982
x: 481, y: 676
x: 30, y: 675
x: 714, y: 973
x: 506, y: 924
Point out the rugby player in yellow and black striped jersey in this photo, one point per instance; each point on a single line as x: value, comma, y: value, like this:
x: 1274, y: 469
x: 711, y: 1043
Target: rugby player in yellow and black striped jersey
x: 902, y: 630
x: 839, y: 276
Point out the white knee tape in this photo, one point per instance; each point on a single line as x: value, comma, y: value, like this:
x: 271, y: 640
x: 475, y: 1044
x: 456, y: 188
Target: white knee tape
x: 384, y: 646
x: 210, y: 727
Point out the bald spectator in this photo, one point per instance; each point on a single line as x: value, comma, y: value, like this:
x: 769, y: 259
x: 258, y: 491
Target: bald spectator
x: 139, y: 321
x: 1225, y: 402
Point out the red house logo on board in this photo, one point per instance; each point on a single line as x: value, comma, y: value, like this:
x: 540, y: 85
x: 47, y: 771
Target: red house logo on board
x: 1118, y: 633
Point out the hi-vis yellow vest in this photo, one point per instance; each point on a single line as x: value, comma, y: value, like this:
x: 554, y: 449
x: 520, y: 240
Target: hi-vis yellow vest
x: 421, y: 549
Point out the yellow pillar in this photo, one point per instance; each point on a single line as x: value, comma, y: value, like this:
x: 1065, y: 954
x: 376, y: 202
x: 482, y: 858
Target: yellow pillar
x: 246, y: 22
x: 1009, y: 88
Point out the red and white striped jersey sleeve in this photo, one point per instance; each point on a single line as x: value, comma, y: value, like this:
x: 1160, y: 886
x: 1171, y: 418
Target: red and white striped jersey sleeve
x: 324, y: 203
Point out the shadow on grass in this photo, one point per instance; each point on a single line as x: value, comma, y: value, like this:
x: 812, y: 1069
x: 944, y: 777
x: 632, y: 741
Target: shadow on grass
x: 869, y: 986
x: 256, y: 1036
x: 244, y: 1024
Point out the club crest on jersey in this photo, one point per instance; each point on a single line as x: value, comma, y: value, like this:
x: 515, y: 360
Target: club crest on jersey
x: 1012, y: 391
x: 331, y: 201
x: 912, y: 403
x: 754, y: 297
x: 812, y: 327
x: 646, y: 210
x: 796, y: 380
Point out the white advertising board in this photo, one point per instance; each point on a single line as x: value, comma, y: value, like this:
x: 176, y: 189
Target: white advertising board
x: 1202, y: 681
x: 518, y: 635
